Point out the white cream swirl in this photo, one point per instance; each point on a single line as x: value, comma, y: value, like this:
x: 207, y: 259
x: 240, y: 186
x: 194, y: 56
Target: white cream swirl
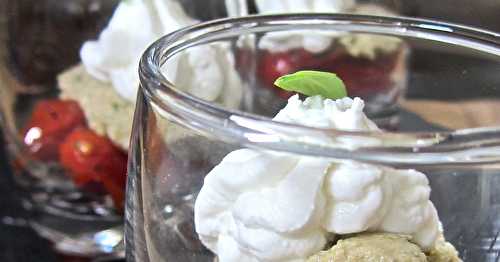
x: 317, y: 41
x: 268, y: 206
x: 312, y: 41
x: 135, y: 24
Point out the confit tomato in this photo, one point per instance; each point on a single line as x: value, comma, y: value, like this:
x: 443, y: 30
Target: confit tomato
x: 362, y: 76
x: 92, y: 158
x: 273, y: 65
x: 49, y: 124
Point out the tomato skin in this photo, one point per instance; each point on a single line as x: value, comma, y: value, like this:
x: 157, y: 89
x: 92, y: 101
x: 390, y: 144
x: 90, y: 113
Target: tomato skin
x: 90, y: 158
x: 57, y: 131
x: 361, y: 76
x: 51, y: 121
x: 273, y: 65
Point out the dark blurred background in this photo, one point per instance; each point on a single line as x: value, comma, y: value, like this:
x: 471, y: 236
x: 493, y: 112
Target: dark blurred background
x: 43, y: 37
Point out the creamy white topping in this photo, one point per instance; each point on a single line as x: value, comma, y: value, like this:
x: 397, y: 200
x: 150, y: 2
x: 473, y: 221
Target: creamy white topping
x: 115, y: 56
x: 345, y: 114
x: 316, y: 41
x: 357, y: 45
x: 268, y: 206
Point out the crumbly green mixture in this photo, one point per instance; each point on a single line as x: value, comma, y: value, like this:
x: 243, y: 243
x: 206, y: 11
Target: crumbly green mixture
x: 370, y: 45
x: 372, y: 248
x: 384, y: 247
x: 443, y: 252
x: 107, y: 112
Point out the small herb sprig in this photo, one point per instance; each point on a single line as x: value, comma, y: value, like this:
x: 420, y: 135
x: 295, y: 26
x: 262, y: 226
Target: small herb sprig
x: 312, y: 83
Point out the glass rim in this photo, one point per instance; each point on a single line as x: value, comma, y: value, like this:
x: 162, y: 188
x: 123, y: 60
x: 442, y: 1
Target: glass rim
x: 465, y: 146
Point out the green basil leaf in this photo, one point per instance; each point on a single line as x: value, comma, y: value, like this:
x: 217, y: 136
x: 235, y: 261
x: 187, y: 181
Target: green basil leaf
x: 312, y: 83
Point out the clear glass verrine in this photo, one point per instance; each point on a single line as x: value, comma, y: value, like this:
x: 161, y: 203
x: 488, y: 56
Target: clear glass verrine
x: 184, y: 127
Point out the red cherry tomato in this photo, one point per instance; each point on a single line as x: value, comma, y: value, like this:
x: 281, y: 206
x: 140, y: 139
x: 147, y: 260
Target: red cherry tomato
x: 49, y: 124
x: 362, y: 76
x: 274, y: 65
x: 90, y: 158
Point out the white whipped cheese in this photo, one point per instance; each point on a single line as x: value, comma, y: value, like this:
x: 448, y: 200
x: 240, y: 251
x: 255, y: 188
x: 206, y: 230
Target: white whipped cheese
x: 135, y: 24
x: 357, y: 45
x: 345, y: 114
x: 314, y: 42
x: 268, y: 206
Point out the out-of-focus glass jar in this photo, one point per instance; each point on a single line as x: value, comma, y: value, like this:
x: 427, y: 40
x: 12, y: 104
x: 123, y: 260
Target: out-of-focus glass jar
x: 66, y: 129
x: 185, y: 126
x: 373, y: 67
x: 38, y: 41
